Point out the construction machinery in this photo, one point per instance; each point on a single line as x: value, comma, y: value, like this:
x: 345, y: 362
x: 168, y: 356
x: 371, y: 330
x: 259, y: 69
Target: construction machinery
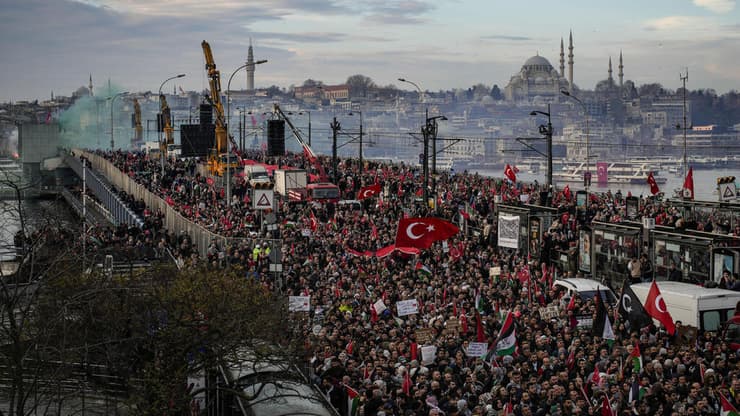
x: 166, y: 123
x: 321, y: 191
x: 219, y: 156
x: 136, y: 124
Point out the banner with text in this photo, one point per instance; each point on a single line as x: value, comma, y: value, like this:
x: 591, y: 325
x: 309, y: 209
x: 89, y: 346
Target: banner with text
x: 508, y: 231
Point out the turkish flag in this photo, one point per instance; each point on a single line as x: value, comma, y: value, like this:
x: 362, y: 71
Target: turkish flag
x: 567, y: 193
x: 406, y: 385
x: 509, y: 173
x: 606, y: 407
x: 314, y: 222
x: 421, y: 233
x: 653, y: 185
x: 655, y: 307
x: 368, y: 191
x: 688, y: 184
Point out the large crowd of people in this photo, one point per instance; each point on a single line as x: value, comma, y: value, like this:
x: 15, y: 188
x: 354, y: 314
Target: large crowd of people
x: 418, y: 364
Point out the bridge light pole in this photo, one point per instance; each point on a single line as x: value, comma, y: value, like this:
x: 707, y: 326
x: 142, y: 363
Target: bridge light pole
x: 587, y: 174
x: 159, y: 130
x: 360, y: 113
x: 547, y: 132
x: 228, y: 127
x: 112, y: 143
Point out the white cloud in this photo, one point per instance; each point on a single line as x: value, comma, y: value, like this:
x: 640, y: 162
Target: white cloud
x: 680, y: 24
x: 716, y: 6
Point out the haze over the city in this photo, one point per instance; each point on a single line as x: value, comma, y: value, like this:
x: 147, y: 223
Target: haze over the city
x: 53, y: 45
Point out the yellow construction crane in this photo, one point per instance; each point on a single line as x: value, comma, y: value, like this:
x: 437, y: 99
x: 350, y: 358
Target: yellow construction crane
x: 169, y: 137
x: 138, y: 129
x: 215, y: 162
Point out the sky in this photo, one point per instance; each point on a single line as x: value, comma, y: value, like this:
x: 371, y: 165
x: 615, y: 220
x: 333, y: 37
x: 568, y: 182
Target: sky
x: 54, y: 45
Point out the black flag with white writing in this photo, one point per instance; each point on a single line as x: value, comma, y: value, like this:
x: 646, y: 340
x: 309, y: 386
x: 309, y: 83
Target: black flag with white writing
x: 631, y: 309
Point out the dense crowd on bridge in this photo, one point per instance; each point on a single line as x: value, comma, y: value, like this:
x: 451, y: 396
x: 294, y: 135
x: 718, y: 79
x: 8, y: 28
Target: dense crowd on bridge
x: 355, y: 348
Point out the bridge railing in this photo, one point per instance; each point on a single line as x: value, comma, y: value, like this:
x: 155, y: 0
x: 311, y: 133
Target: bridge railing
x: 120, y: 212
x: 173, y: 220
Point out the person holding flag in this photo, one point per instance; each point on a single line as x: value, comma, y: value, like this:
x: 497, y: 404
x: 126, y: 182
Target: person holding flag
x: 653, y: 185
x: 602, y: 324
x: 655, y: 306
x: 631, y: 310
x: 688, y: 185
x: 421, y: 233
x: 509, y: 173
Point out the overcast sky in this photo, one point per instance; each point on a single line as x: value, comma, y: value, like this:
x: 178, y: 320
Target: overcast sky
x: 52, y: 45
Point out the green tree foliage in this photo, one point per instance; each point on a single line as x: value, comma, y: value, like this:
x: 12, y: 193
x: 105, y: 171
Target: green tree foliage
x: 150, y: 331
x: 496, y: 93
x: 360, y: 85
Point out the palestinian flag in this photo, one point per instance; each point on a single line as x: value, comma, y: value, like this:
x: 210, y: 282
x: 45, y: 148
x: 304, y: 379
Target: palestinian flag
x: 421, y: 268
x: 636, y: 392
x: 636, y: 356
x: 602, y: 324
x: 506, y: 341
x: 353, y: 401
x: 727, y: 408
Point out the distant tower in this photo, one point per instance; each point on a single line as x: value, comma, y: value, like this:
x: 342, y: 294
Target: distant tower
x: 52, y: 95
x: 570, y: 63
x: 562, y: 59
x: 621, y: 71
x: 250, y: 67
x: 610, y: 78
x: 89, y: 87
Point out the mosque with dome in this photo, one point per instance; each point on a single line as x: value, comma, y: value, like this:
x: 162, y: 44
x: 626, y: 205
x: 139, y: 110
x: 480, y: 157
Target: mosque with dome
x: 538, y: 80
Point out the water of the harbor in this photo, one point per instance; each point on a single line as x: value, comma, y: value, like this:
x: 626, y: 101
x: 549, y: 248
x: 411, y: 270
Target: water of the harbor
x: 705, y: 183
x: 36, y: 214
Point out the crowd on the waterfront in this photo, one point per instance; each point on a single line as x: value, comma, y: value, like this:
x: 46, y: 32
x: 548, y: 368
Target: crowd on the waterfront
x: 559, y: 367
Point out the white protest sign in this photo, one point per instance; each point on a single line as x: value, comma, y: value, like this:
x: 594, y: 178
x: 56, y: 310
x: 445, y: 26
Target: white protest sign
x: 407, y: 307
x: 477, y: 349
x: 379, y: 306
x: 428, y: 353
x: 299, y: 303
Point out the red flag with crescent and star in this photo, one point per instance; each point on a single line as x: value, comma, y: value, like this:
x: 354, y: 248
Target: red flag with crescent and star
x: 509, y: 173
x: 655, y: 307
x: 653, y: 185
x: 368, y: 191
x: 688, y: 184
x: 314, y: 223
x: 423, y: 232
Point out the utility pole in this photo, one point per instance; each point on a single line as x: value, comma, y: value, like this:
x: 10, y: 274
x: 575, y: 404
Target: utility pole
x: 335, y: 127
x: 684, y: 78
x: 425, y: 130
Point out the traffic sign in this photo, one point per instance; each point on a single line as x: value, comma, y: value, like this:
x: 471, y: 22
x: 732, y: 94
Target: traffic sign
x: 263, y: 199
x: 726, y: 191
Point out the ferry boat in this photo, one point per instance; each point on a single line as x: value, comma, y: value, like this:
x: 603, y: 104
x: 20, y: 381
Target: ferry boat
x: 617, y: 172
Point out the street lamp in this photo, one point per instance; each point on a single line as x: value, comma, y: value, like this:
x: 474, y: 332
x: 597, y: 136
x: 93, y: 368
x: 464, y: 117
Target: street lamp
x: 228, y: 126
x: 159, y: 131
x: 422, y: 97
x: 547, y: 132
x: 112, y: 143
x: 360, y: 113
x: 587, y: 175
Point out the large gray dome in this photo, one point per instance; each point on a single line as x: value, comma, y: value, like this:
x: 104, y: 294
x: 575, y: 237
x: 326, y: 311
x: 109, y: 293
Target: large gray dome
x: 537, y: 61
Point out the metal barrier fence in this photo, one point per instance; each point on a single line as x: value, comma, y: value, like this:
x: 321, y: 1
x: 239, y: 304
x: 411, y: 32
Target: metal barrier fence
x: 121, y: 213
x: 173, y: 220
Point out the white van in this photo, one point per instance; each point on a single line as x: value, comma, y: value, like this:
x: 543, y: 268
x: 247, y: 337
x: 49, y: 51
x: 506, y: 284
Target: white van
x: 256, y: 174
x: 585, y: 288
x: 693, y: 305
